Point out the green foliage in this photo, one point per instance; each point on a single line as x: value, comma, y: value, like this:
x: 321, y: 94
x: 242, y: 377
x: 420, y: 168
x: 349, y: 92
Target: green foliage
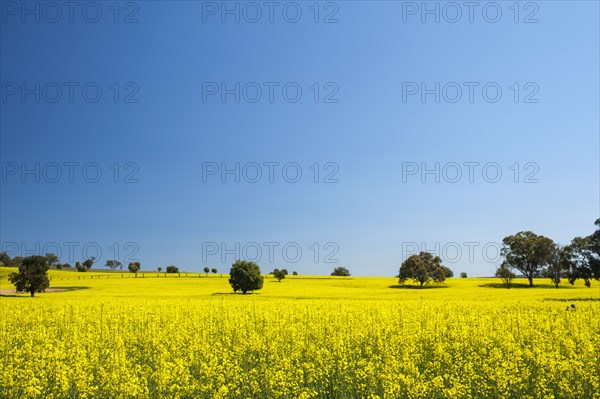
x: 583, y: 257
x: 134, y: 267
x: 463, y: 274
x: 528, y: 253
x: 112, y: 264
x: 294, y: 273
x: 558, y: 265
x: 32, y: 276
x: 505, y: 274
x: 423, y: 268
x: 206, y: 270
x: 88, y: 263
x: 159, y: 269
x: 80, y: 267
x: 214, y: 270
x: 279, y: 274
x: 172, y: 269
x: 341, y: 271
x: 52, y: 259
x: 5, y: 259
x: 245, y: 276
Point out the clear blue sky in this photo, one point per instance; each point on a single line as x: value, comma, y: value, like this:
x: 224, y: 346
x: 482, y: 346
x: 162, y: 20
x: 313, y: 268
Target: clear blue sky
x: 168, y: 126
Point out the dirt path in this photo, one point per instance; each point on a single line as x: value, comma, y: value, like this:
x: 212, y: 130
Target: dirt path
x: 11, y: 291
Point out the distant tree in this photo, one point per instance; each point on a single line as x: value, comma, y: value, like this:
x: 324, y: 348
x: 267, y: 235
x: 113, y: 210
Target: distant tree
x: 160, y: 269
x: 558, y: 265
x: 5, y: 259
x: 505, y: 274
x: 528, y: 253
x: 245, y: 276
x: 214, y: 271
x: 206, y: 270
x: 423, y: 268
x: 88, y: 263
x: 294, y: 273
x: 32, y: 276
x: 52, y: 259
x: 340, y: 271
x: 172, y: 269
x: 66, y: 265
x: 285, y: 271
x: 463, y: 274
x: 80, y: 267
x: 583, y: 257
x: 113, y: 264
x: 279, y: 274
x: 58, y: 266
x: 134, y: 267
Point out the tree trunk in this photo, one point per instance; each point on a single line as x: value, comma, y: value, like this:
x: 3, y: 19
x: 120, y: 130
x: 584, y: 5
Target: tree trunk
x: 555, y: 284
x: 421, y: 283
x: 530, y: 281
x: 32, y: 292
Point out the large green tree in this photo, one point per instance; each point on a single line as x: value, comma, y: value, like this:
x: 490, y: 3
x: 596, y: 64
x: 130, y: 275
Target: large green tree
x: 245, y: 276
x: 423, y: 268
x: 558, y: 265
x: 32, y: 276
x: 528, y: 253
x: 583, y: 257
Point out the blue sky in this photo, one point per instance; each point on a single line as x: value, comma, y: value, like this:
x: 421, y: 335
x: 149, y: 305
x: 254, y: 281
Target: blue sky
x: 158, y: 124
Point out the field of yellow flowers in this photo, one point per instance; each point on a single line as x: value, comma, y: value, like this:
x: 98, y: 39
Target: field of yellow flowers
x: 109, y: 336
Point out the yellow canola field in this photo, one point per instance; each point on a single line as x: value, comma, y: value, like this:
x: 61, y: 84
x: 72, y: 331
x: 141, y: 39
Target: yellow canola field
x: 359, y: 337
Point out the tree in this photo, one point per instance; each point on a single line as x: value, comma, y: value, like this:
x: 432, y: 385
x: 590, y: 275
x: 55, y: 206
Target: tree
x: 52, y: 259
x: 160, y: 269
x: 505, y: 274
x: 172, y: 269
x: 423, y: 268
x: 279, y: 274
x: 213, y: 270
x: 206, y: 270
x: 245, y: 276
x: 463, y: 274
x: 340, y: 271
x: 32, y: 276
x: 558, y: 265
x: 528, y: 253
x: 80, y: 267
x: 113, y: 264
x: 285, y: 272
x: 294, y: 273
x: 5, y: 259
x: 583, y: 257
x: 134, y: 267
x: 66, y: 265
x: 88, y: 263
x: 17, y: 261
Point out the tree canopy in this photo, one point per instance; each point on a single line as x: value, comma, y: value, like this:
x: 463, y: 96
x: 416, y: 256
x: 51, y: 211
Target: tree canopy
x: 424, y: 268
x: 32, y: 276
x: 245, y: 276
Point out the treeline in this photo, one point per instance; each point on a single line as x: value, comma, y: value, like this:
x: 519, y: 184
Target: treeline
x: 538, y: 256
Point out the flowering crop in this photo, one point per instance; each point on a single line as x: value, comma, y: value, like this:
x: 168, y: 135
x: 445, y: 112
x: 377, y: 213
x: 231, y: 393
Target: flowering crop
x: 302, y: 338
